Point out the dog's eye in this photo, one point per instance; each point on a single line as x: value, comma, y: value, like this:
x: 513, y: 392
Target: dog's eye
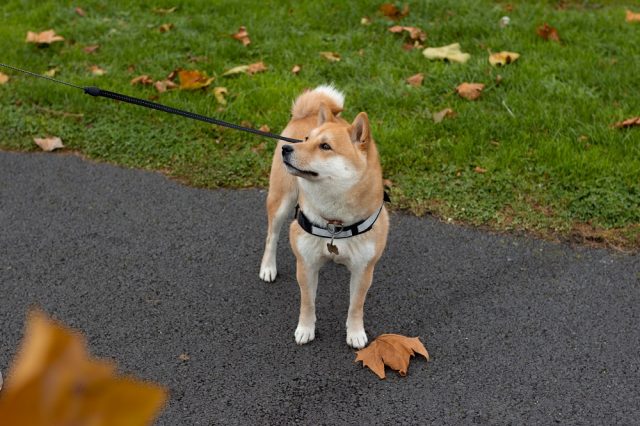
x: 325, y: 147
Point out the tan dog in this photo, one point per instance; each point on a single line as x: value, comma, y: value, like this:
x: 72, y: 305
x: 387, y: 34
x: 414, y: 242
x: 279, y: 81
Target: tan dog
x: 336, y: 179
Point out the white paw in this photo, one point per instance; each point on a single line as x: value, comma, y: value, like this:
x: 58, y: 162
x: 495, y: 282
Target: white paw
x: 305, y: 334
x: 357, y: 339
x: 268, y: 273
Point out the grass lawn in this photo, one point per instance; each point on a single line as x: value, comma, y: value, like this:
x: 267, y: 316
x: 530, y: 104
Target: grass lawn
x: 554, y: 165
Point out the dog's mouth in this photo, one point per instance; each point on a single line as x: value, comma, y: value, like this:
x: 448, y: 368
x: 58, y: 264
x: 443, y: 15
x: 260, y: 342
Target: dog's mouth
x: 298, y: 172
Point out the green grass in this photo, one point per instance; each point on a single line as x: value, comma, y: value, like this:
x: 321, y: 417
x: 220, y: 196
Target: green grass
x: 553, y: 164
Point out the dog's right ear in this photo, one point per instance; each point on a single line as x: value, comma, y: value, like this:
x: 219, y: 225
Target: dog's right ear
x: 324, y: 114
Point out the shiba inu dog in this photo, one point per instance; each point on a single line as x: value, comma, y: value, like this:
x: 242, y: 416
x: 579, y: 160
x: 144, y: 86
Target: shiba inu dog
x: 335, y: 178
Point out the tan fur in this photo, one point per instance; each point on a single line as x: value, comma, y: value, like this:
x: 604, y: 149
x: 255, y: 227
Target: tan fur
x: 348, y: 188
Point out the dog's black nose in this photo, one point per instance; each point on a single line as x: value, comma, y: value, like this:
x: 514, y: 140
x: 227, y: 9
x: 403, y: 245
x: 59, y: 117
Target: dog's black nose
x: 287, y: 149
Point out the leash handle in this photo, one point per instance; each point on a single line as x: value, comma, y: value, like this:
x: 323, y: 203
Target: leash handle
x: 96, y: 91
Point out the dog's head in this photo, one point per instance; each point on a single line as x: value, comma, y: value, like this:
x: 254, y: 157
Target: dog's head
x: 334, y: 151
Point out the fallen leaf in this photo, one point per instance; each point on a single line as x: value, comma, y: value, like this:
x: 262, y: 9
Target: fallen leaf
x: 241, y: 69
x: 54, y: 380
x: 632, y: 17
x: 450, y: 52
x: 45, y: 37
x: 264, y: 128
x: 91, y: 48
x: 480, y: 170
x: 242, y: 35
x: 96, y: 70
x: 415, y: 33
x: 80, y: 11
x: 365, y: 20
x: 142, y: 79
x: 165, y: 28
x: 256, y: 68
x: 415, y: 80
x: 296, y: 69
x: 470, y: 91
x: 49, y: 144
x: 184, y: 357
x: 504, y: 22
x: 392, y: 350
x: 161, y: 11
x: 547, y: 32
x: 392, y: 12
x: 3, y: 78
x: 164, y: 85
x: 630, y: 122
x: 441, y: 115
x: 330, y: 56
x: 503, y: 58
x: 220, y: 93
x: 193, y: 80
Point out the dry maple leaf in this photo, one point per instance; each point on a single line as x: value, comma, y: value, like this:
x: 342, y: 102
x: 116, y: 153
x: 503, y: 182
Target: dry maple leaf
x: 220, y: 93
x: 80, y: 12
x: 96, y: 70
x: 142, y: 79
x: 164, y: 85
x: 415, y: 80
x: 503, y: 58
x: 548, y: 32
x: 449, y: 52
x: 49, y: 144
x: 441, y: 115
x: 256, y: 68
x: 3, y: 78
x: 45, y: 37
x: 193, y: 80
x: 392, y: 12
x: 630, y: 122
x: 392, y: 350
x: 296, y: 69
x: 242, y: 35
x: 330, y: 56
x: 470, y: 91
x: 53, y: 380
x: 91, y: 48
x: 632, y: 17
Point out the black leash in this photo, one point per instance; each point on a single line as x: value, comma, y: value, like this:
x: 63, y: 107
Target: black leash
x: 96, y: 91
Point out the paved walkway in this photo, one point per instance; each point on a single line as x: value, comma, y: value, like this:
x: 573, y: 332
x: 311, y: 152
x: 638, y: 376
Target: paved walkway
x: 520, y: 331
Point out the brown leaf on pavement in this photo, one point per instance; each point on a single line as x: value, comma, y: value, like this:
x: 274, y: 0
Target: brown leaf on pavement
x: 45, y: 37
x: 49, y: 144
x: 415, y: 80
x: 470, y: 91
x: 242, y: 35
x: 548, y: 32
x: 392, y: 350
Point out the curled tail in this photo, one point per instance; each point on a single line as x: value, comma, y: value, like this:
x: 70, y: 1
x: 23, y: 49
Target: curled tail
x: 309, y: 102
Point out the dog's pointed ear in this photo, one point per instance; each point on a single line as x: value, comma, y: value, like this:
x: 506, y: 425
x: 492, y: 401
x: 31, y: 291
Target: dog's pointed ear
x: 360, y: 131
x: 324, y: 114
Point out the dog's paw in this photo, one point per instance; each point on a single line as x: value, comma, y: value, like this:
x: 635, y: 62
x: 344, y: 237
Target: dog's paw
x: 305, y: 334
x: 357, y: 338
x: 268, y: 273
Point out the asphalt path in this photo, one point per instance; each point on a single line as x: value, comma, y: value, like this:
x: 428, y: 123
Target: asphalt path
x: 520, y: 331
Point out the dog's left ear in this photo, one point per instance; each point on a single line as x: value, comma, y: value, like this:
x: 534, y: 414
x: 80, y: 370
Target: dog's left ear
x: 360, y: 132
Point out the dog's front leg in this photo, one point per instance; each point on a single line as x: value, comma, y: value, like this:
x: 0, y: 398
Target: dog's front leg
x: 307, y: 275
x: 361, y: 277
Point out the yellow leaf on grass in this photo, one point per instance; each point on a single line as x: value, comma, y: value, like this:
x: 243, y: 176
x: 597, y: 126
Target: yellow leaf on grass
x: 392, y: 350
x: 220, y: 93
x: 503, y: 58
x: 246, y: 69
x: 193, y: 79
x: 632, y: 17
x: 242, y: 35
x: 449, y: 52
x: 161, y: 11
x: 51, y: 72
x: 330, y: 56
x: 49, y: 144
x: 296, y: 69
x: 470, y: 91
x: 53, y: 380
x: 45, y: 37
x: 3, y: 78
x: 415, y: 80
